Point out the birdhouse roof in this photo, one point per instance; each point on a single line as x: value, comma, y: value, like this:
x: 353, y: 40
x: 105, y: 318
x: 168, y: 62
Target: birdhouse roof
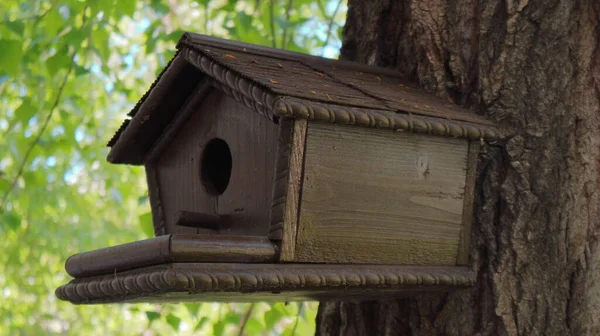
x: 277, y: 83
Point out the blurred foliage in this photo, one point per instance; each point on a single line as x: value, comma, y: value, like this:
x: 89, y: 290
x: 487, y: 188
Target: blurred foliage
x: 69, y: 71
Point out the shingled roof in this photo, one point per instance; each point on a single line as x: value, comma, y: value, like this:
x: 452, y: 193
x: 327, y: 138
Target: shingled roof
x: 277, y: 83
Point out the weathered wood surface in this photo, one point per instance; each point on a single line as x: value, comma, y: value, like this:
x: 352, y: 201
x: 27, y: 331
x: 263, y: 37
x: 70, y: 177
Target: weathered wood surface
x: 200, y: 220
x: 464, y: 246
x: 280, y: 185
x: 252, y: 141
x: 258, y: 76
x: 137, y: 136
x: 180, y: 282
x: 375, y: 196
x: 171, y: 248
x: 294, y: 188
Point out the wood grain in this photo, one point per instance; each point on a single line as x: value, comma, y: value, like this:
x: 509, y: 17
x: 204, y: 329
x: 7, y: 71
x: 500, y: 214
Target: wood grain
x: 280, y: 185
x: 252, y: 140
x: 375, y: 196
x: 464, y: 246
x: 292, y: 204
x: 171, y: 248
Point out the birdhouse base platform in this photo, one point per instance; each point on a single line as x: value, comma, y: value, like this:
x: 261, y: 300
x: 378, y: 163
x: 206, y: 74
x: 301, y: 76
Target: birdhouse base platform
x: 235, y: 282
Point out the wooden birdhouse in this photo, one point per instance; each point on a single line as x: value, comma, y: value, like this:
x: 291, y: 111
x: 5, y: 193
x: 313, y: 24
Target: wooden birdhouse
x: 275, y: 175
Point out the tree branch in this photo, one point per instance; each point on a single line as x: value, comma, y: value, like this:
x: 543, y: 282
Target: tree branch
x: 245, y: 320
x: 45, y: 124
x: 330, y: 25
x: 272, y: 11
x: 288, y: 9
x: 297, y: 318
x: 38, y: 136
x: 37, y: 17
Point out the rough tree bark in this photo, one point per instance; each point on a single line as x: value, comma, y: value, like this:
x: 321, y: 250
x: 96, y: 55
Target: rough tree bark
x: 534, y: 67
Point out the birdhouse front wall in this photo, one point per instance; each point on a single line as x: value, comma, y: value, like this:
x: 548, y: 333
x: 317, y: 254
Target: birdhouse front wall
x: 219, y: 168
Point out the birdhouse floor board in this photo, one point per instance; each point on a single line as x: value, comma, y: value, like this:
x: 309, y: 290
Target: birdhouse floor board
x: 180, y: 282
x: 171, y: 248
x: 376, y: 196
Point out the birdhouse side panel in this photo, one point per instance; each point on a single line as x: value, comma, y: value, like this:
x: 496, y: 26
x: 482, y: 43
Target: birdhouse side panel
x: 375, y: 196
x: 216, y: 175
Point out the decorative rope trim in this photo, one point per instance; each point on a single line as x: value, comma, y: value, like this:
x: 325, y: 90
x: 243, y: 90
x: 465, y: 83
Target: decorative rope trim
x: 241, y: 278
x: 118, y: 285
x: 346, y: 115
x: 242, y: 89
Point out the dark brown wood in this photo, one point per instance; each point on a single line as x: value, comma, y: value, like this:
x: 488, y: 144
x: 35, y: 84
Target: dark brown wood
x: 252, y: 141
x: 187, y: 111
x: 180, y: 282
x: 316, y: 88
x: 170, y: 92
x: 280, y: 185
x: 199, y: 220
x: 154, y: 195
x: 171, y: 248
x: 320, y: 79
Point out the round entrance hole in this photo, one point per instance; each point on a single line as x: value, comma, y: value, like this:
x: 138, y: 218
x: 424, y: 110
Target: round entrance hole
x: 215, y: 167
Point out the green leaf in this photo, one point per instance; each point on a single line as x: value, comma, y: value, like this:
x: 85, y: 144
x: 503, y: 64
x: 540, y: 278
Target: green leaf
x: 100, y: 42
x: 16, y: 26
x: 146, y: 224
x: 11, y: 219
x: 201, y: 323
x: 152, y: 316
x: 254, y: 326
x: 76, y: 36
x: 173, y: 321
x: 11, y: 56
x: 193, y: 308
x: 56, y: 62
x: 159, y: 6
x: 127, y: 7
x: 272, y: 317
x: 233, y: 318
x: 25, y: 111
x: 53, y: 22
x: 218, y: 328
x: 80, y: 71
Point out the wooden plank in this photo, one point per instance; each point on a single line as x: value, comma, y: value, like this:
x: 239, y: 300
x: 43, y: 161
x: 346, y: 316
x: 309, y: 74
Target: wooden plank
x: 464, y: 247
x: 280, y: 185
x: 375, y: 196
x: 156, y: 207
x: 292, y: 203
x: 199, y: 220
x: 171, y: 248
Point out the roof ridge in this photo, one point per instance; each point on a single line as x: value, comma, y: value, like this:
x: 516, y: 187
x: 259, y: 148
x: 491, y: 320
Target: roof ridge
x: 190, y: 39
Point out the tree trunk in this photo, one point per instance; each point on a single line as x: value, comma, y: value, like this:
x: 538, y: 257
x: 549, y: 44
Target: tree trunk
x: 534, y: 67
